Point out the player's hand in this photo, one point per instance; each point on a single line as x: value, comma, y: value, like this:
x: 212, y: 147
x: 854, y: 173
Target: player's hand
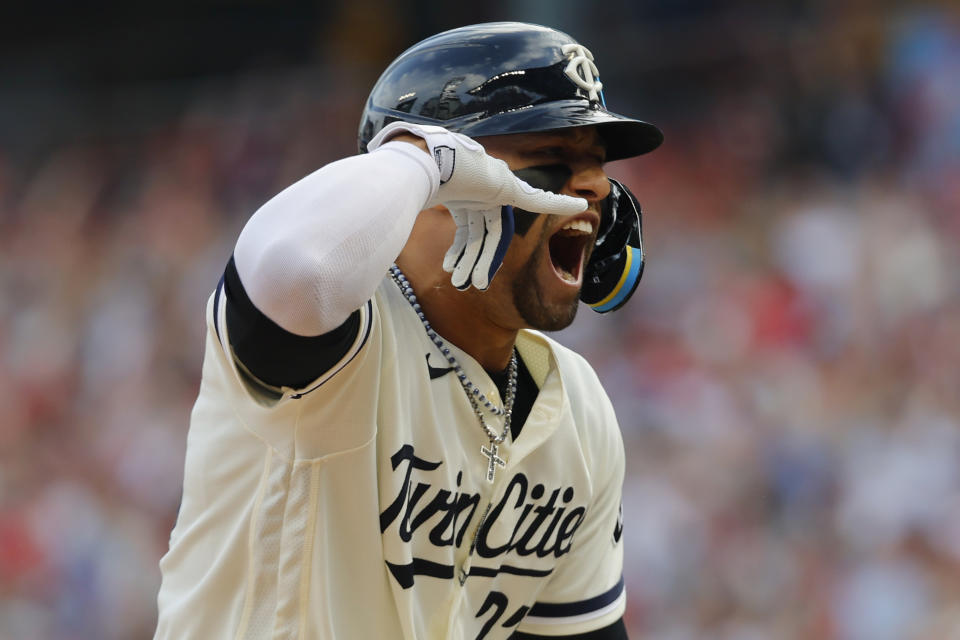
x: 480, y: 191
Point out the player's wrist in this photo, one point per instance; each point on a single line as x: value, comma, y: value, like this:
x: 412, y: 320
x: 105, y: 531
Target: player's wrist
x: 417, y: 141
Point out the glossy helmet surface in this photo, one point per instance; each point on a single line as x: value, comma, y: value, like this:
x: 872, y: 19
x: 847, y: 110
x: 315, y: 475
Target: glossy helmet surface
x: 497, y: 78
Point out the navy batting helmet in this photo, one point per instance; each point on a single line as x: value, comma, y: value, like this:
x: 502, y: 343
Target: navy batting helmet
x: 501, y: 77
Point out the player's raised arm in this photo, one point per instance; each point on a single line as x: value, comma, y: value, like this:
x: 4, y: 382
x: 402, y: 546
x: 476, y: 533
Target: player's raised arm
x: 310, y: 257
x: 316, y: 252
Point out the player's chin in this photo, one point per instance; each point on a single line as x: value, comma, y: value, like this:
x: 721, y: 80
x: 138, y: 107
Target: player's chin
x: 545, y: 305
x: 545, y: 298
x: 560, y: 289
x: 560, y: 315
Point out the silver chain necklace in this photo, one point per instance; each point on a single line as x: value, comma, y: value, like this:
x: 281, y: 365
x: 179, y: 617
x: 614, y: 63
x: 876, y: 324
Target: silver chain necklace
x: 476, y: 398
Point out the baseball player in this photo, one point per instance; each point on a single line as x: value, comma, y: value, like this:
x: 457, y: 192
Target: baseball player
x: 384, y: 444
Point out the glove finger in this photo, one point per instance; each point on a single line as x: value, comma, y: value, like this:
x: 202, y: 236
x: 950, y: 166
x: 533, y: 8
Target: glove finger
x: 499, y: 234
x: 475, y: 238
x: 539, y: 201
x: 455, y: 252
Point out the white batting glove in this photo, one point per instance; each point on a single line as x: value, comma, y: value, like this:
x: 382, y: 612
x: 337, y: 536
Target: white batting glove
x: 480, y: 191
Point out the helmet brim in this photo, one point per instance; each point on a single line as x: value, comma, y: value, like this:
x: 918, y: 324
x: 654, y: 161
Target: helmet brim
x: 625, y: 137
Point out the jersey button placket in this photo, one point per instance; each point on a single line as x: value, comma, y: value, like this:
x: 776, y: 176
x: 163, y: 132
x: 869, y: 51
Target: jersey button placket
x: 490, y: 493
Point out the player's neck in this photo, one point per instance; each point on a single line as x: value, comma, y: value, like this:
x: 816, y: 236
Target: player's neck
x: 489, y: 345
x: 458, y: 322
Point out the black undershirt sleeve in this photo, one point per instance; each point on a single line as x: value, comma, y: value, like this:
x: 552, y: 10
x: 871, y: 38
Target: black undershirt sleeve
x: 272, y: 354
x: 616, y: 631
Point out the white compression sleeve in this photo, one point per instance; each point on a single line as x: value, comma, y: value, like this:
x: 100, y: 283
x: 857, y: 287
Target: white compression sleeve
x: 316, y: 251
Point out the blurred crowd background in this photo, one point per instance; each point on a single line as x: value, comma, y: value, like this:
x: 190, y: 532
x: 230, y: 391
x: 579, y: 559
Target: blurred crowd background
x: 787, y: 377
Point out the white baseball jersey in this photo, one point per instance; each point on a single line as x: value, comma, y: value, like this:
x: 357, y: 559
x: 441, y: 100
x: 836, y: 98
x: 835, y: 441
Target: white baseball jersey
x: 359, y: 506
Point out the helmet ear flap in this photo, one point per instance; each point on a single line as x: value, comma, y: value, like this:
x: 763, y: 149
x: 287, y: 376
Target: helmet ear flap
x: 616, y: 264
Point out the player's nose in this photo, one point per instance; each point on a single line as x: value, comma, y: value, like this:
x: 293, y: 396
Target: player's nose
x: 589, y: 182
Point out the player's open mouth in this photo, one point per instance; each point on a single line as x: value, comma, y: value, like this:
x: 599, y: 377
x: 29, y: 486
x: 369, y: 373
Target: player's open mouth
x: 568, y: 247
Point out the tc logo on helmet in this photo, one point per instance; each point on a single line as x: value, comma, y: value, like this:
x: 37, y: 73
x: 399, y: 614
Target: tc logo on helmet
x: 582, y: 71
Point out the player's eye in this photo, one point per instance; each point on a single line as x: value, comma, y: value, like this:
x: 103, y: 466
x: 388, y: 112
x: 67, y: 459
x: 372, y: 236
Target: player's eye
x: 549, y: 152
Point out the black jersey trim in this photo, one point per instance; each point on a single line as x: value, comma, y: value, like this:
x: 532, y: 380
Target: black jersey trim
x: 492, y: 572
x: 273, y: 356
x: 405, y: 574
x: 366, y: 319
x: 216, y: 309
x: 556, y: 611
x: 219, y: 315
x: 616, y: 631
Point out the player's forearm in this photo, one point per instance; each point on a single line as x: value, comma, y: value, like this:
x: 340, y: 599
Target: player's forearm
x: 317, y: 251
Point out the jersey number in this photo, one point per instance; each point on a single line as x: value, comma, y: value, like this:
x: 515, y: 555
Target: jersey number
x: 498, y: 602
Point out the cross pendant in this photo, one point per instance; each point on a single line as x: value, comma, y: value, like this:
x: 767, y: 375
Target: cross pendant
x: 495, y: 460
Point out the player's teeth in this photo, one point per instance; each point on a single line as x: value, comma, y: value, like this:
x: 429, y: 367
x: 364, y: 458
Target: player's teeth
x: 579, y: 225
x: 566, y: 275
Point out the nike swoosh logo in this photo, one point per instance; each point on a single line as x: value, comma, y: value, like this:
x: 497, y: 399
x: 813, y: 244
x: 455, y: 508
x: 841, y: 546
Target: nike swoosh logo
x: 436, y: 372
